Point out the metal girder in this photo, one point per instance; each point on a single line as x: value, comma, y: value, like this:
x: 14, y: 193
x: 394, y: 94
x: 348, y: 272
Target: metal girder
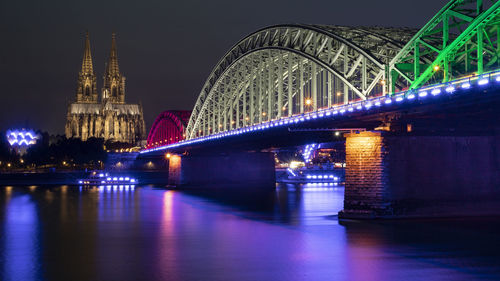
x: 291, y: 69
x: 461, y: 38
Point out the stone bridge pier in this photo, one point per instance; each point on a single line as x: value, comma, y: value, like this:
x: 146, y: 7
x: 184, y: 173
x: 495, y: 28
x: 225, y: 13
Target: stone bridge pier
x: 397, y: 176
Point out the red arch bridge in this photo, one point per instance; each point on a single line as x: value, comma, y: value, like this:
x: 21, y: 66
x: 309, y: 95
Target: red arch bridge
x: 168, y: 128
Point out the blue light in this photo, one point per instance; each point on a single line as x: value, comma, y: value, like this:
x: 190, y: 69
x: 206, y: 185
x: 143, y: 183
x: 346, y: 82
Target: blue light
x: 498, y: 78
x: 368, y: 105
x: 377, y: 103
x: 101, y: 175
x: 388, y: 101
x: 108, y: 179
x: 436, y: 91
x: 422, y: 94
x: 21, y: 137
x: 115, y: 178
x: 399, y: 99
x: 411, y: 96
x: 80, y: 182
x: 465, y: 85
x: 342, y: 110
x: 132, y: 180
x: 450, y: 89
x: 483, y: 81
x: 350, y: 109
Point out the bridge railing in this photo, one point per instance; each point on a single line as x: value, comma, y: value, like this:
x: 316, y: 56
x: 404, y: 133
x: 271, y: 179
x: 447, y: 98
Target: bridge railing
x: 435, y: 90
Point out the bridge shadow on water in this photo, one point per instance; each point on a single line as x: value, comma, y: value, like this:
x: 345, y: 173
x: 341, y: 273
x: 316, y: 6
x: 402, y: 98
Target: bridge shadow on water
x: 287, y: 203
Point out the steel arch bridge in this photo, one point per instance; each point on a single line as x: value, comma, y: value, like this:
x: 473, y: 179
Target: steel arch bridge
x: 168, y: 128
x: 286, y: 70
x: 291, y: 72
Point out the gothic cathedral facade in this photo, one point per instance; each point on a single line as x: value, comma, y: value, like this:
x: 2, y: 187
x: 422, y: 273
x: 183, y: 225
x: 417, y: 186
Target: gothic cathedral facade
x: 110, y: 117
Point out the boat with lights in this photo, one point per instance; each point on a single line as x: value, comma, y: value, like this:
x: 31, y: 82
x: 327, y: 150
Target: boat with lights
x: 97, y: 178
x: 332, y: 173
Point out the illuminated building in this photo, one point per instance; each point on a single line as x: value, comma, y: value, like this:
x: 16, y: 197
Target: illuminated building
x: 110, y: 117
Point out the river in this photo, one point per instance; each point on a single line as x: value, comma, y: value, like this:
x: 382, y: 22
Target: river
x: 151, y: 233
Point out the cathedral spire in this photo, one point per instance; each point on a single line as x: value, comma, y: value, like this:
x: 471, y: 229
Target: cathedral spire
x: 87, y: 67
x: 113, y: 57
x: 113, y: 89
x: 86, y: 90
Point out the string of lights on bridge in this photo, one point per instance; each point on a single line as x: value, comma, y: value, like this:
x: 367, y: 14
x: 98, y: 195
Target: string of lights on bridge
x: 465, y: 83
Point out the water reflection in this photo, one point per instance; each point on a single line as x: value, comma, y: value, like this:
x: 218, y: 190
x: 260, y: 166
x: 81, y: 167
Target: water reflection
x: 20, y: 238
x: 291, y: 233
x: 167, y: 249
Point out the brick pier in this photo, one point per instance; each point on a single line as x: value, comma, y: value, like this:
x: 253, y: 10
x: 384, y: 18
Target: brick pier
x: 392, y: 176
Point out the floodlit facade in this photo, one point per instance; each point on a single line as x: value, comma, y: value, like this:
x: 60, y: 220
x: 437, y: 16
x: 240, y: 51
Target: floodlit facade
x: 110, y: 117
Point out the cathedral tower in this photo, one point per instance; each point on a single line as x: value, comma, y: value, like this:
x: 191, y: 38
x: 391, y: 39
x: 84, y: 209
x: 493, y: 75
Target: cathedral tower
x: 111, y: 119
x: 86, y: 90
x: 114, y: 82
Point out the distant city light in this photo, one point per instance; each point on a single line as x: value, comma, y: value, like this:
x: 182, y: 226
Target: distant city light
x: 309, y: 152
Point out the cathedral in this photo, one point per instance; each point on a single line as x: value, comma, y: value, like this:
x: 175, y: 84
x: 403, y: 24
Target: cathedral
x: 110, y: 117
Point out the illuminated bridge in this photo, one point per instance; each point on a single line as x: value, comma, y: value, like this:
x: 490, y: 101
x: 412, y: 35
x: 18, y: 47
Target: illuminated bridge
x: 168, y: 128
x: 428, y: 99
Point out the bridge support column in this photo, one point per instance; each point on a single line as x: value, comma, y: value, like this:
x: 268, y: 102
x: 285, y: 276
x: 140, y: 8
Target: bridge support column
x: 393, y: 176
x: 254, y: 170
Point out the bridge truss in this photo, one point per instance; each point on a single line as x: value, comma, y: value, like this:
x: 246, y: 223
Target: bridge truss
x: 292, y: 73
x: 462, y: 38
x: 286, y: 70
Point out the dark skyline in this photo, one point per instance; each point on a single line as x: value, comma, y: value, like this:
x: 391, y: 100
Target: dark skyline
x: 166, y: 49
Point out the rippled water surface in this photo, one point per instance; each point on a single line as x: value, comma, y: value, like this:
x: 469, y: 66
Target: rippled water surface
x: 150, y: 233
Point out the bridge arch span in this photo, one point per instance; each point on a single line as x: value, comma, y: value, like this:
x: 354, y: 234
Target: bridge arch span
x: 284, y: 70
x: 168, y: 127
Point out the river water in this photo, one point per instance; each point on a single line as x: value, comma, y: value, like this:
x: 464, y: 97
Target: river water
x: 151, y: 233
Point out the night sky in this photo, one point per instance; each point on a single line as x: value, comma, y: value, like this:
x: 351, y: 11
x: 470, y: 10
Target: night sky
x: 166, y: 49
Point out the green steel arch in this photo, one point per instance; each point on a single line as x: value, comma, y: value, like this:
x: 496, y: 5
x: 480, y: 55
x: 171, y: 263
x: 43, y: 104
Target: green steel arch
x: 286, y: 70
x: 461, y: 39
